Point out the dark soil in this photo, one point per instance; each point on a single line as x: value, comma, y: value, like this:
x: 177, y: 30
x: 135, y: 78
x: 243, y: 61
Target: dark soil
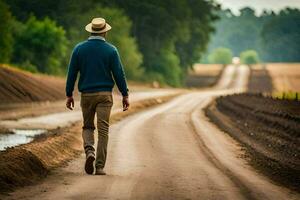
x: 202, y: 81
x: 17, y: 86
x: 268, y: 128
x: 260, y: 81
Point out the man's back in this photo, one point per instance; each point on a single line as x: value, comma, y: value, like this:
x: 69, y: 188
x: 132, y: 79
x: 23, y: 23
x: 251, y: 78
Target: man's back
x: 98, y: 63
x: 95, y: 65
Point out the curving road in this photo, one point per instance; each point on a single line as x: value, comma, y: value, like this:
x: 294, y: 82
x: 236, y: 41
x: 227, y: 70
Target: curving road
x: 169, y: 152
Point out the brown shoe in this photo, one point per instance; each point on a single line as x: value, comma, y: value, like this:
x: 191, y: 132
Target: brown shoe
x: 100, y: 171
x: 89, y: 163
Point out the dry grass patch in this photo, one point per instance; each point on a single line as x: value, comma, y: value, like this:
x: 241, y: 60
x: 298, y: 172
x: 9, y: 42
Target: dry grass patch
x: 285, y: 76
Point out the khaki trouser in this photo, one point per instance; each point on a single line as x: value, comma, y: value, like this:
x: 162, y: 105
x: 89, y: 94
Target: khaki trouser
x: 99, y: 103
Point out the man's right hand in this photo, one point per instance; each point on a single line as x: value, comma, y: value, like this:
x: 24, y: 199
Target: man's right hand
x: 70, y: 103
x: 125, y: 102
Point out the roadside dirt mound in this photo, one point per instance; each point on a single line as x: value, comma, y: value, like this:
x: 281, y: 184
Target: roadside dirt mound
x: 12, y: 175
x: 18, y: 86
x: 26, y: 164
x: 268, y: 128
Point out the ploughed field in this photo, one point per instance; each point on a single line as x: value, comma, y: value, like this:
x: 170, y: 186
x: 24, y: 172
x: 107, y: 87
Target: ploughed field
x: 268, y: 128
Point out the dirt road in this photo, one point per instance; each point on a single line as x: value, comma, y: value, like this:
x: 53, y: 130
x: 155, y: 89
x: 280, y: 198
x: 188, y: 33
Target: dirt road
x: 168, y: 152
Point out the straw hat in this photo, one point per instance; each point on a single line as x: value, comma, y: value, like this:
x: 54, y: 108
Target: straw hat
x: 98, y: 25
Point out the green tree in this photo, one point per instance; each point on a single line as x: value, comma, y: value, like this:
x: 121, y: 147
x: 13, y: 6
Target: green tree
x: 220, y: 56
x: 169, y: 67
x: 275, y: 37
x: 152, y: 21
x: 6, y: 38
x: 40, y: 43
x: 249, y: 57
x: 238, y: 32
x: 64, y: 13
x: 197, y: 35
x: 179, y: 28
x: 281, y: 37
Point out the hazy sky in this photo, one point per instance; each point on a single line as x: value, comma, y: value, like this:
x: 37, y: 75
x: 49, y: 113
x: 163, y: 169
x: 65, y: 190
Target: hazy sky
x: 259, y: 5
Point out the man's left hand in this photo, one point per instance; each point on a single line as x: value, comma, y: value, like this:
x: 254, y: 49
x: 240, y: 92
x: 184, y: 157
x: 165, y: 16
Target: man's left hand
x: 70, y: 103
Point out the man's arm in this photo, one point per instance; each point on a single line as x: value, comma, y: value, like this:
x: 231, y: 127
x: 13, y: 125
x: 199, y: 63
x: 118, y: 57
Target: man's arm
x: 71, y: 78
x: 119, y: 77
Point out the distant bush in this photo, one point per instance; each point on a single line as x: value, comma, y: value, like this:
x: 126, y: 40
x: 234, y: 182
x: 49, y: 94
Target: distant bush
x: 151, y: 77
x: 168, y: 65
x: 6, y: 38
x: 249, y: 57
x: 220, y: 56
x: 26, y: 65
x: 41, y: 45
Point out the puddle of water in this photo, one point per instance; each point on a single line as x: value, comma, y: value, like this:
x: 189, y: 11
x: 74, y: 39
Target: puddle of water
x: 18, y: 137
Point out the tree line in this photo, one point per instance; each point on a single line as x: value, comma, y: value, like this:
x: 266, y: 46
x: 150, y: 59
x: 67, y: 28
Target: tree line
x: 275, y: 37
x: 157, y: 40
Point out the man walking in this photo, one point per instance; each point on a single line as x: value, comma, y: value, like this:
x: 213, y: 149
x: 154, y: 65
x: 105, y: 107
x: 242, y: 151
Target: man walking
x: 99, y: 66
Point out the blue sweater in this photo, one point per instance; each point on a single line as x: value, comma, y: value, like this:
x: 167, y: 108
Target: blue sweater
x: 99, y: 65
